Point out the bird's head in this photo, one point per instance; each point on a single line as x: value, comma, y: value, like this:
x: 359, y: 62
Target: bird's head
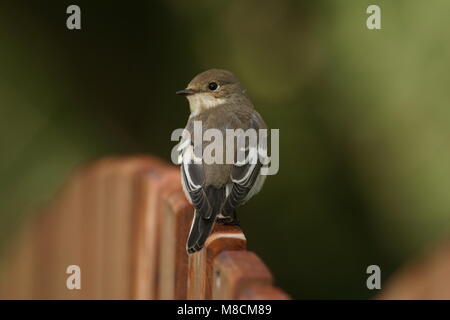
x: 212, y: 88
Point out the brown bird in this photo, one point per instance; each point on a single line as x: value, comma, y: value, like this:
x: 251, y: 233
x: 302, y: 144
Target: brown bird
x: 218, y: 100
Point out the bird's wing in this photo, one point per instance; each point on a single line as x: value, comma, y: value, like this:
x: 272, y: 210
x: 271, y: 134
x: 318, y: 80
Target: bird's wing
x: 193, y: 178
x: 245, y: 178
x: 206, y: 200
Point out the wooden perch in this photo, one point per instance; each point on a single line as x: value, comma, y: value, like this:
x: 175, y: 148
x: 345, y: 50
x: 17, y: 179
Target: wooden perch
x: 242, y: 275
x: 124, y: 222
x: 200, y: 272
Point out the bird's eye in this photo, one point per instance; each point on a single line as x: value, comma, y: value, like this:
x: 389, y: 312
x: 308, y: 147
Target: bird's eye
x: 212, y: 86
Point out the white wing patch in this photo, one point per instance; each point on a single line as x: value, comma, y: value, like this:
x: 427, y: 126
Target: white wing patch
x: 189, y: 158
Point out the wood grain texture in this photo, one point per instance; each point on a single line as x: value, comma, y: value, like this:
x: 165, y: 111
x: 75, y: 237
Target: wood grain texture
x: 94, y: 218
x: 148, y: 221
x: 125, y: 221
x: 178, y: 214
x: 236, y: 270
x: 200, y: 272
x: 144, y: 227
x: 119, y: 225
x: 68, y: 232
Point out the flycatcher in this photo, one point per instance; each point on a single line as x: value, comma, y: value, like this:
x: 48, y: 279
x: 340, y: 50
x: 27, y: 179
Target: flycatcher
x: 218, y: 101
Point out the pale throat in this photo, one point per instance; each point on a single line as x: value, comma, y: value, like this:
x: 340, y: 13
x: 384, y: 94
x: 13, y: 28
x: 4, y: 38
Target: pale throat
x: 202, y: 101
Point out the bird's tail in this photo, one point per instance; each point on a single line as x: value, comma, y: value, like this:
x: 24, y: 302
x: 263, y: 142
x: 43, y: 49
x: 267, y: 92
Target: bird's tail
x: 203, y: 222
x: 201, y: 228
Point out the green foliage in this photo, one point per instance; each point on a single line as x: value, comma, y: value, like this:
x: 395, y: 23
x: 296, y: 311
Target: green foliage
x: 363, y: 117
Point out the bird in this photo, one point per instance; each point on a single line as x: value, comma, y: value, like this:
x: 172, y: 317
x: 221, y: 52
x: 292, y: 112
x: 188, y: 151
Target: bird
x: 218, y: 101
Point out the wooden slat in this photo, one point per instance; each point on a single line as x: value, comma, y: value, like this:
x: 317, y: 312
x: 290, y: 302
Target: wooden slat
x: 152, y: 186
x: 236, y: 270
x: 91, y: 227
x: 119, y: 224
x: 178, y: 214
x: 96, y: 177
x: 201, y: 263
x: 145, y: 228
x: 125, y: 222
x: 67, y: 249
x: 117, y: 231
x: 262, y: 292
x: 171, y: 183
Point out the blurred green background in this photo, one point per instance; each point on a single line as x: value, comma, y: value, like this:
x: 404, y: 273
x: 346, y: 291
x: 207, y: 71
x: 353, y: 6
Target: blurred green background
x: 363, y: 116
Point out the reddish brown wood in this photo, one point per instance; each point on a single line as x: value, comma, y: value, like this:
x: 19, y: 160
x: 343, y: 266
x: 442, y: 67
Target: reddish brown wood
x: 91, y: 226
x: 428, y: 277
x: 262, y: 292
x: 125, y: 222
x: 236, y: 270
x: 93, y: 221
x: 178, y: 214
x: 101, y: 174
x: 171, y: 183
x: 68, y: 247
x: 148, y: 220
x: 119, y: 225
x: 201, y: 263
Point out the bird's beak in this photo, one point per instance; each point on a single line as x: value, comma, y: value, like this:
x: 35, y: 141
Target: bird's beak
x: 185, y: 92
